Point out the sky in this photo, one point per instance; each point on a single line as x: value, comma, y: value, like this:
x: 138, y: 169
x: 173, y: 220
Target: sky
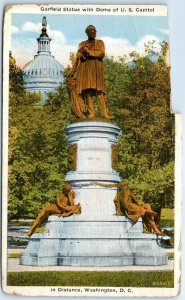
x: 121, y: 34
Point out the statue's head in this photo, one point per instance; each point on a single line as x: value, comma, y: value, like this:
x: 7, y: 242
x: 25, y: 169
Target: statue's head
x: 123, y: 185
x: 67, y: 187
x: 91, y: 32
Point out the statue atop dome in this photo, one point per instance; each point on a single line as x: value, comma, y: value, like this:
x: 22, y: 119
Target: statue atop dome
x: 44, y: 28
x: 44, y: 22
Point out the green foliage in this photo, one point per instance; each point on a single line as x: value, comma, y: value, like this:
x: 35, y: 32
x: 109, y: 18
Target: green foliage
x: 166, y: 223
x: 15, y: 76
x: 99, y: 279
x: 37, y: 150
x: 139, y: 100
x: 20, y: 223
x: 138, y: 96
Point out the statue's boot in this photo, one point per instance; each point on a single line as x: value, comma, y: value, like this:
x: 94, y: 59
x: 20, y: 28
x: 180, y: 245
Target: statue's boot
x: 90, y: 116
x: 33, y: 228
x: 155, y: 228
x: 30, y: 232
x: 106, y: 116
x: 119, y: 213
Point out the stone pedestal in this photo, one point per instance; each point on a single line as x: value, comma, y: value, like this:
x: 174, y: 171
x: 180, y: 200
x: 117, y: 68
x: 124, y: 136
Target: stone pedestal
x: 96, y: 237
x: 94, y: 142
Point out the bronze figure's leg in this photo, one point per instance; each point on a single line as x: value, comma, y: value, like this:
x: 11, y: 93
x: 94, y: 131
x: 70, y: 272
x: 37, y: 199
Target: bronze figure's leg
x: 118, y: 207
x: 102, y: 105
x: 152, y: 225
x: 41, y: 218
x: 90, y: 104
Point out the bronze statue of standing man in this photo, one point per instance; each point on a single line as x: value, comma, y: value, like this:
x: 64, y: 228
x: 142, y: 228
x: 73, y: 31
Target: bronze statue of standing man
x: 89, y: 73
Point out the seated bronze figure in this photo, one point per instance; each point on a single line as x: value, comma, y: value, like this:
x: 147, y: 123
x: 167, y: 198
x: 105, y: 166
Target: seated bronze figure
x: 127, y: 204
x: 64, y: 207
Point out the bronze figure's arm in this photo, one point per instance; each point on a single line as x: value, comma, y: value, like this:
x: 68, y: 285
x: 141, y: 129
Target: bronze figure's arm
x: 60, y: 201
x: 135, y: 199
x: 71, y: 197
x: 100, y: 53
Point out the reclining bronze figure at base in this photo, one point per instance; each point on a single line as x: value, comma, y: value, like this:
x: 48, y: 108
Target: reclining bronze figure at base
x: 64, y: 207
x: 127, y: 204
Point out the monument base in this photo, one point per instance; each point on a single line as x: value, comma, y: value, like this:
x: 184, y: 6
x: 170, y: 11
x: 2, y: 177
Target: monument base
x: 96, y: 237
x: 104, y: 243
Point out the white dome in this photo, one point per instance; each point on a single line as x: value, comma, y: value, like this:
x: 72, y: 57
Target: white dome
x: 43, y: 74
x: 43, y: 68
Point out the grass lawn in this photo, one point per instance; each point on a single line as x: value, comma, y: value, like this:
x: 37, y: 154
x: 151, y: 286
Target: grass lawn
x: 14, y: 255
x: 167, y: 214
x: 73, y: 278
x: 167, y: 217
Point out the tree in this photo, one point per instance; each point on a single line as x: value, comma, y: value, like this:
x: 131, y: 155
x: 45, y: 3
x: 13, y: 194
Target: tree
x: 147, y: 142
x: 37, y: 150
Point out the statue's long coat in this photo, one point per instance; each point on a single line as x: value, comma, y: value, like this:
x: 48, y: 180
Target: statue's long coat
x: 90, y: 72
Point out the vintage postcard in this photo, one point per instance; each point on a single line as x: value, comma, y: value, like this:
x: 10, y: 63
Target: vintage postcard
x: 91, y: 152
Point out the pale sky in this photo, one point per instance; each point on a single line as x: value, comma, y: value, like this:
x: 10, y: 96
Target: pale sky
x: 121, y: 34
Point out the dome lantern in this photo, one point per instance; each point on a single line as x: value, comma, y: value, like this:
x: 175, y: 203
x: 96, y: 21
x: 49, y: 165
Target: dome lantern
x: 44, y: 40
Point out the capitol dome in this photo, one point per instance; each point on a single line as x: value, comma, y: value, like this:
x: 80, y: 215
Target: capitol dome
x: 44, y: 73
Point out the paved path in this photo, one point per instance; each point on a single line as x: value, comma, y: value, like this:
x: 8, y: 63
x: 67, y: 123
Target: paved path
x: 13, y: 266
